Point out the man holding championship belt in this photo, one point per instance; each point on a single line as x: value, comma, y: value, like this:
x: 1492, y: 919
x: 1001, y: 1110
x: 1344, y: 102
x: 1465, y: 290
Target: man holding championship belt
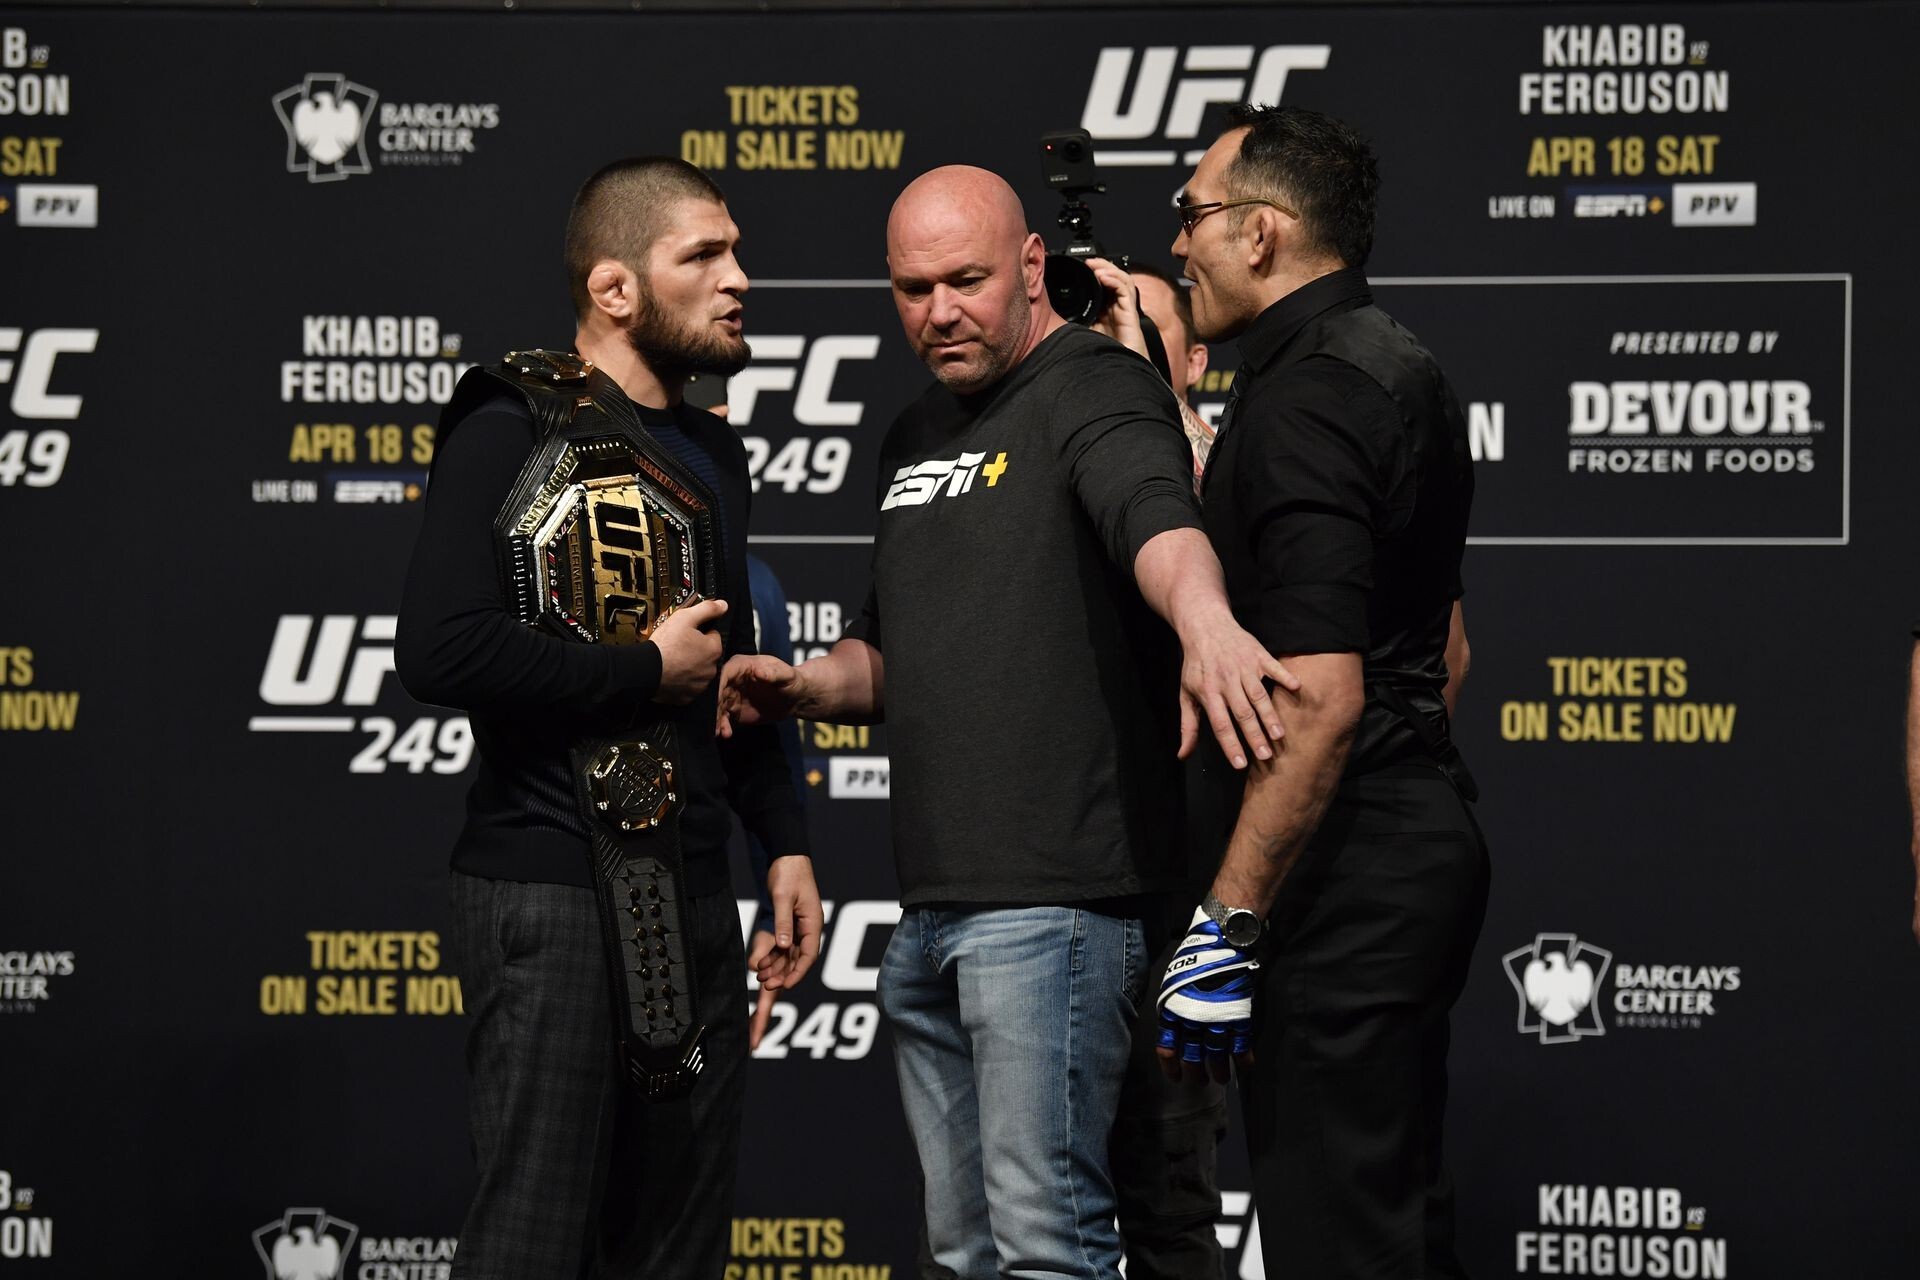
x: 580, y: 576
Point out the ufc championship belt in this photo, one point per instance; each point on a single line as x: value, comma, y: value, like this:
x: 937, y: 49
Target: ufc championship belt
x: 604, y: 535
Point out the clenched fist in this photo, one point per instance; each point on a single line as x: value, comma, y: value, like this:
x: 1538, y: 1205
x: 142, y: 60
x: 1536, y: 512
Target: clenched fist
x: 689, y: 654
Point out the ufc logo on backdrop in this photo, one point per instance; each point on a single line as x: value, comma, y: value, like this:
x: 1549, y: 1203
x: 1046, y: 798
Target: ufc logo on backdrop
x: 299, y: 674
x: 1168, y: 105
x: 777, y: 366
x: 346, y: 659
x: 32, y: 373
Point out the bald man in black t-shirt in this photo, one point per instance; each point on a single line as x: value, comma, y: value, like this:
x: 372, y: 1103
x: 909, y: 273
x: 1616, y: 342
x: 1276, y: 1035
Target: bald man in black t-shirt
x: 1036, y: 513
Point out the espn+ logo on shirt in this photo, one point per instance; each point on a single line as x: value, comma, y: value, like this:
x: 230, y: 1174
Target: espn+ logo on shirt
x: 917, y: 485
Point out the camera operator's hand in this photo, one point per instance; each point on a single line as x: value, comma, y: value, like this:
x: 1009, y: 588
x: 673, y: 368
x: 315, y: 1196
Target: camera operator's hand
x: 1121, y: 321
x: 689, y: 654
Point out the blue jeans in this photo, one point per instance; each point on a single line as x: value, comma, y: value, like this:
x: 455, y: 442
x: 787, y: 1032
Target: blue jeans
x: 1011, y: 1029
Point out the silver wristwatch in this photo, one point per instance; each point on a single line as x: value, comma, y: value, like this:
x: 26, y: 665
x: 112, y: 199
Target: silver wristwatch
x: 1238, y: 925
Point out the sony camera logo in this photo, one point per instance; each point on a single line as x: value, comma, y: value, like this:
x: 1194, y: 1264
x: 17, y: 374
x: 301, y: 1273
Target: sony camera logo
x: 1163, y: 105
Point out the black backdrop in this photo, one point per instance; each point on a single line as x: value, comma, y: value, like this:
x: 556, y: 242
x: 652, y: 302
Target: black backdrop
x: 225, y: 1009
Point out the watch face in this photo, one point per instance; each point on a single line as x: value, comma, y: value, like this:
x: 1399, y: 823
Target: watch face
x: 1242, y: 928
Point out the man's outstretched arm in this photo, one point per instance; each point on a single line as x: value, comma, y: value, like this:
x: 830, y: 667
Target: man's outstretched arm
x: 845, y: 685
x: 1223, y: 670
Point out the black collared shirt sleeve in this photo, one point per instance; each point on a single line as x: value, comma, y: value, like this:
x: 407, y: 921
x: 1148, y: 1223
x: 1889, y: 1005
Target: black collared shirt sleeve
x: 456, y: 645
x: 1320, y: 455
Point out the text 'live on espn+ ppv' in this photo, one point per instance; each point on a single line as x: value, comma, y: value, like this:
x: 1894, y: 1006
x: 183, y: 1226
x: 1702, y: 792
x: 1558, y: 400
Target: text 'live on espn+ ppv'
x: 1660, y: 251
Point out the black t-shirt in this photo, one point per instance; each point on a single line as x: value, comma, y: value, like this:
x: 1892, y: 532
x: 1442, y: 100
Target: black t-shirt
x: 530, y: 694
x: 1339, y: 528
x: 1031, y: 695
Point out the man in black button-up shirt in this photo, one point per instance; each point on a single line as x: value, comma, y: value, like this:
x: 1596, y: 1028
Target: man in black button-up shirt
x: 1336, y: 496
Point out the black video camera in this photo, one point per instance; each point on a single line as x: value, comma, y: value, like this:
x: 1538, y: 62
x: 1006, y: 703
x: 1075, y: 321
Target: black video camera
x: 1072, y: 288
x: 1075, y: 293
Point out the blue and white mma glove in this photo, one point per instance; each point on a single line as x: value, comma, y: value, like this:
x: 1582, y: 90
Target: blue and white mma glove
x: 1206, y: 997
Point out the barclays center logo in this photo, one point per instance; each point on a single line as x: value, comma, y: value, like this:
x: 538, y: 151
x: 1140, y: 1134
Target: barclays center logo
x: 305, y: 1244
x: 1559, y: 981
x: 326, y: 118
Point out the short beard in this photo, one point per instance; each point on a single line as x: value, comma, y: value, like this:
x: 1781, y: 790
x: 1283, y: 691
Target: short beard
x: 674, y: 350
x: 1001, y: 356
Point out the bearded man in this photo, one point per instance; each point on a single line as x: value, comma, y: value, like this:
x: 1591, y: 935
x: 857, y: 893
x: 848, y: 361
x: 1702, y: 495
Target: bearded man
x: 579, y: 1172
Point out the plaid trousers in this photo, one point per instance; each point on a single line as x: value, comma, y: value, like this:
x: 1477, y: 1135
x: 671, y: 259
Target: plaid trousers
x: 577, y: 1176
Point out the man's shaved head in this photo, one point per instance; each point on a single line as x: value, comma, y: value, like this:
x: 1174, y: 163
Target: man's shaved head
x: 960, y: 201
x: 622, y: 210
x: 967, y: 275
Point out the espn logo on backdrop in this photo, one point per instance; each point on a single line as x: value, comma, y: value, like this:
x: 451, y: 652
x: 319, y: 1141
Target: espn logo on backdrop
x: 1619, y: 202
x: 1716, y: 204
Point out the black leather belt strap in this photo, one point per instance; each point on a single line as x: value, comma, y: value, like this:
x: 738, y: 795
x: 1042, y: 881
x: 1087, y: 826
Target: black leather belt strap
x: 1439, y: 746
x: 629, y: 792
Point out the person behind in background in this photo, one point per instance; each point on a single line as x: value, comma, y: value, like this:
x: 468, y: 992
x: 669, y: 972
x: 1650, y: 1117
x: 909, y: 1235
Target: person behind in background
x: 1143, y: 289
x: 1165, y: 1147
x: 1036, y: 513
x: 1337, y: 934
x: 578, y: 1174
